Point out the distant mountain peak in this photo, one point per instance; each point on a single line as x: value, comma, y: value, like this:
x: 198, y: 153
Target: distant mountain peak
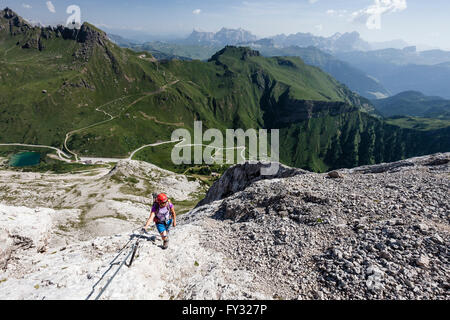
x: 337, y: 35
x: 354, y: 35
x: 223, y: 37
x: 410, y: 93
x: 12, y: 18
x: 35, y: 37
x: 89, y: 32
x: 338, y: 42
x: 8, y: 13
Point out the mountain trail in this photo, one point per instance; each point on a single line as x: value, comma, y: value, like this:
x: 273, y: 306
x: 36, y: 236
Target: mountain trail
x: 373, y: 232
x: 69, y: 134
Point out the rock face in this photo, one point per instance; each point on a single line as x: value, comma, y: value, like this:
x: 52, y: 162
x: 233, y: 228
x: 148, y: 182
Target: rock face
x: 21, y: 229
x: 335, y: 43
x: 99, y: 202
x: 221, y: 38
x: 79, y: 269
x: 62, y: 252
x: 7, y: 15
x: 381, y: 232
x: 34, y: 37
x: 425, y: 161
x: 175, y: 185
x: 240, y: 176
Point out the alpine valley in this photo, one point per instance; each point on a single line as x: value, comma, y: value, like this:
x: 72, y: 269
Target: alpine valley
x: 78, y: 92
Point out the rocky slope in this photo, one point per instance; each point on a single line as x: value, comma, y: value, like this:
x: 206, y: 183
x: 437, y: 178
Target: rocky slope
x: 62, y: 235
x: 96, y: 202
x: 34, y: 37
x: 373, y: 232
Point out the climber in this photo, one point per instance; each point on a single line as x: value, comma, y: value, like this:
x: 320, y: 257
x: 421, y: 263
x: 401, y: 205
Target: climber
x: 163, y: 214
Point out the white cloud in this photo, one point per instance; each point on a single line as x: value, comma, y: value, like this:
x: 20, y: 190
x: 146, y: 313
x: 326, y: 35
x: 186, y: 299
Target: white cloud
x: 313, y: 1
x: 372, y: 14
x: 50, y: 7
x: 26, y: 6
x: 338, y: 13
x: 197, y: 11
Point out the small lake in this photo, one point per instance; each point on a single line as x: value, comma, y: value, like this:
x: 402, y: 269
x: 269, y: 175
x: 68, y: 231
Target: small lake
x: 25, y: 159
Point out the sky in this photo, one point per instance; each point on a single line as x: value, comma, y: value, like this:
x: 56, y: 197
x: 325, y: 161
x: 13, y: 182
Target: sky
x: 418, y: 22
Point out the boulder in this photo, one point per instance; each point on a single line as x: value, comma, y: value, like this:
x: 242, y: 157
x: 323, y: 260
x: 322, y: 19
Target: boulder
x: 423, y: 261
x: 335, y: 175
x: 240, y: 176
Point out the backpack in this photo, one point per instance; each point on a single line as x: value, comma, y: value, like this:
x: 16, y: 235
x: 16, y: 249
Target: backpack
x: 168, y: 216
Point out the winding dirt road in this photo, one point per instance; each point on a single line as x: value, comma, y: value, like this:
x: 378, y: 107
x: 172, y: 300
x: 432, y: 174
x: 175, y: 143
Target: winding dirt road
x: 67, y: 158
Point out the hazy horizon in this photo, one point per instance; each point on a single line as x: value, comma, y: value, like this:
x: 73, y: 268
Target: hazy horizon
x: 414, y: 21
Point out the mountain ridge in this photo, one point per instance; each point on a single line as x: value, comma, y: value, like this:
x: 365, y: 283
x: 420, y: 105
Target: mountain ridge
x: 17, y: 25
x: 222, y: 37
x: 338, y: 42
x: 119, y: 100
x: 400, y: 70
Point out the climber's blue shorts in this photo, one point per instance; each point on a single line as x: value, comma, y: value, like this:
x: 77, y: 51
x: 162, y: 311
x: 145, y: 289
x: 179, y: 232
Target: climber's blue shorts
x: 164, y: 226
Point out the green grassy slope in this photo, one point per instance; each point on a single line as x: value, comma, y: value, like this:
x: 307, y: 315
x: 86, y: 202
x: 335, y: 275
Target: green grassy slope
x: 353, y: 139
x: 415, y: 104
x: 418, y: 123
x: 355, y: 79
x: 49, y: 91
x: 166, y: 50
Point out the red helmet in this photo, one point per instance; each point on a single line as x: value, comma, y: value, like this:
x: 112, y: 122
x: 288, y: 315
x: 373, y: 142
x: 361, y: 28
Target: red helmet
x: 161, y: 198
